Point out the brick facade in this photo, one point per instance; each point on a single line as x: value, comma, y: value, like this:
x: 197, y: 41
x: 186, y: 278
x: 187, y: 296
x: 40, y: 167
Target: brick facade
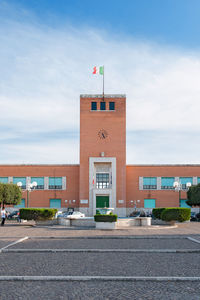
x: 102, y: 149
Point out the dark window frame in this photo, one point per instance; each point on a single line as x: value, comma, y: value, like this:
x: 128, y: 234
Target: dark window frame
x: 93, y: 105
x: 102, y: 104
x: 149, y: 187
x: 112, y: 105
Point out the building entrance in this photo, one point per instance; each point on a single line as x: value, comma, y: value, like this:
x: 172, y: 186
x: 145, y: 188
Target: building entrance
x: 102, y: 201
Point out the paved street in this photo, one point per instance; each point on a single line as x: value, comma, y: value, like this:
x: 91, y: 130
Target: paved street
x: 58, y: 263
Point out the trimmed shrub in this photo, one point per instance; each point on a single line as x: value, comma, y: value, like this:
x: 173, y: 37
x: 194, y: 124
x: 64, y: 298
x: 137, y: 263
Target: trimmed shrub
x: 157, y: 212
x: 179, y: 214
x: 105, y: 218
x: 37, y: 213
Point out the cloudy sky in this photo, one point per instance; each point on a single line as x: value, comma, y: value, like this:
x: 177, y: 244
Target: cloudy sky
x: 151, y: 53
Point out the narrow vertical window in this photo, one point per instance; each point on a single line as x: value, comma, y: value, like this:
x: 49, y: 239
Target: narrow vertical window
x: 93, y: 106
x: 103, y: 106
x: 111, y: 105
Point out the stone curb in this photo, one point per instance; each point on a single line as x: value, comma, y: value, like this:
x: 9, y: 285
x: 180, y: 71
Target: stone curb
x: 108, y: 237
x: 100, y: 250
x: 93, y: 278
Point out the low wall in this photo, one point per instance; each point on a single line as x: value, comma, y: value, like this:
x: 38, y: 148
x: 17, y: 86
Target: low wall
x: 83, y: 222
x: 130, y: 222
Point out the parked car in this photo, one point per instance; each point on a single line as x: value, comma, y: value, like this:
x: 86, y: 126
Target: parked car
x: 64, y: 214
x: 76, y: 215
x: 13, y: 215
x: 194, y: 217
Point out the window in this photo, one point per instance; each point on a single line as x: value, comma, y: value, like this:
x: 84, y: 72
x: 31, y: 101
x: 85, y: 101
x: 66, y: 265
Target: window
x: 149, y: 203
x: 111, y: 105
x: 93, y: 106
x: 20, y: 179
x: 183, y: 203
x: 184, y: 181
x: 21, y: 204
x: 149, y: 183
x: 40, y: 182
x: 198, y: 180
x: 55, y: 203
x: 103, y: 105
x: 3, y: 179
x: 167, y: 183
x: 55, y: 183
x: 102, y: 180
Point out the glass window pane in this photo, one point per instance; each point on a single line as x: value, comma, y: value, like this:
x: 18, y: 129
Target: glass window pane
x: 111, y: 105
x: 40, y: 182
x: 20, y: 179
x: 149, y: 181
x: 184, y: 180
x: 4, y: 179
x: 167, y: 182
x: 93, y: 106
x: 149, y: 203
x: 102, y: 105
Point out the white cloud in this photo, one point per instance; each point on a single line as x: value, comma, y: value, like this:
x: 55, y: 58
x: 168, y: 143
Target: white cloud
x: 44, y: 70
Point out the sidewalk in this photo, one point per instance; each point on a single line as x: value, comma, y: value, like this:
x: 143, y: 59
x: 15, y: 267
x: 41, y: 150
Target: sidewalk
x: 13, y: 230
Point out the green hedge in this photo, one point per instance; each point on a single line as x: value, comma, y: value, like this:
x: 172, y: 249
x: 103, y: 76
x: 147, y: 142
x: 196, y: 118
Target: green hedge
x: 37, y: 213
x: 157, y: 212
x: 105, y: 218
x: 179, y: 214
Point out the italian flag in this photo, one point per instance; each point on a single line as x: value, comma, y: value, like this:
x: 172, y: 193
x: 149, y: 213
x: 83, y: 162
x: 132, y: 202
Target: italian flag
x: 98, y: 70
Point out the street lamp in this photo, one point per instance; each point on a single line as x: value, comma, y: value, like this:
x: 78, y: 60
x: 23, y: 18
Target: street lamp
x: 30, y: 187
x: 178, y: 188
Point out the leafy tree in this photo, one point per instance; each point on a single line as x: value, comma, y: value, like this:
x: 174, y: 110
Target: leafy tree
x: 10, y: 194
x: 193, y: 195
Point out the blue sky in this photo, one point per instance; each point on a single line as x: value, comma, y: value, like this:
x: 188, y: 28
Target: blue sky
x: 151, y: 52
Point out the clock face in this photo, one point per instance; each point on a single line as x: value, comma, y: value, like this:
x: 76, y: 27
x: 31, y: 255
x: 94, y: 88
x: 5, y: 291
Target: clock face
x: 102, y: 134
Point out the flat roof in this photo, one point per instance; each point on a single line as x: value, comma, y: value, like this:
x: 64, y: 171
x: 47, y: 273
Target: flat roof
x: 101, y: 95
x: 35, y: 165
x: 163, y: 165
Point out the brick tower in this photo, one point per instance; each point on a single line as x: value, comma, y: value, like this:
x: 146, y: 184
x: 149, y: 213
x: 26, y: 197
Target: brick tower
x: 102, y: 153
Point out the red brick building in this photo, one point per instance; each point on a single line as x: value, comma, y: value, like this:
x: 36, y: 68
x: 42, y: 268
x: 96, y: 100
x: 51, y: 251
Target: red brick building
x: 102, y: 178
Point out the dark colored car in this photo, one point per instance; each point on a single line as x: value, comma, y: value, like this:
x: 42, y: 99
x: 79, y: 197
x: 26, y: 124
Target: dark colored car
x: 193, y: 217
x: 13, y: 215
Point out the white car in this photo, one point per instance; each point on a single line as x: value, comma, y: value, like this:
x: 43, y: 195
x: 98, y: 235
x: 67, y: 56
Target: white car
x: 76, y: 215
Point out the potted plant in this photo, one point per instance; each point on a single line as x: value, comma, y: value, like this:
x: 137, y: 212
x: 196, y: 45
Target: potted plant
x: 105, y: 221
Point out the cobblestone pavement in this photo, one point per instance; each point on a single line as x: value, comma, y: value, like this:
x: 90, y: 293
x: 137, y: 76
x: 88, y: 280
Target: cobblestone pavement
x: 100, y: 290
x: 100, y: 264
x: 162, y: 243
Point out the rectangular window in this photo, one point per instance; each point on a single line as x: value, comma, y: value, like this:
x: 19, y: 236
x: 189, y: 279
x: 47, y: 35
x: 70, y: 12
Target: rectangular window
x: 185, y: 180
x: 21, y: 204
x: 3, y: 179
x: 93, y: 106
x: 167, y: 183
x: 55, y: 183
x: 149, y: 183
x: 198, y: 180
x: 55, y: 203
x: 103, y: 105
x: 20, y: 179
x: 183, y: 203
x: 102, y: 180
x: 40, y: 182
x: 111, y: 105
x: 149, y: 203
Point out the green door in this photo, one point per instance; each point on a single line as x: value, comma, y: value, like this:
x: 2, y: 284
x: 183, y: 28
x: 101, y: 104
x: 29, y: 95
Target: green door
x: 102, y: 201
